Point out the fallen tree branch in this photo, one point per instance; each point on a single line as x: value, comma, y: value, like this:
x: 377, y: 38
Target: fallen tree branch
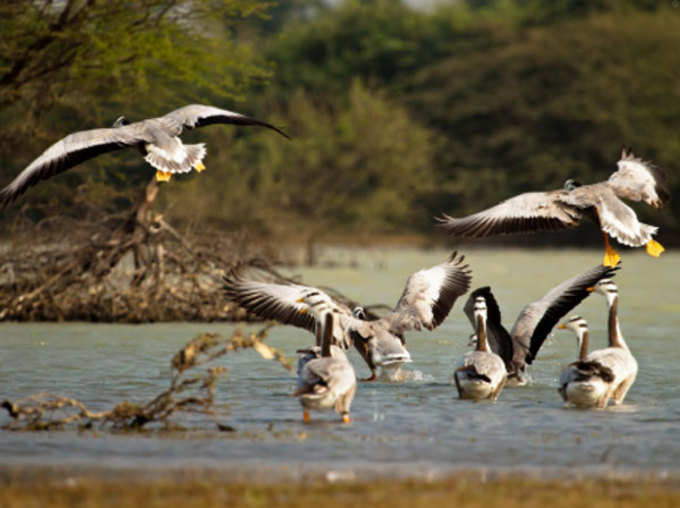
x: 186, y: 393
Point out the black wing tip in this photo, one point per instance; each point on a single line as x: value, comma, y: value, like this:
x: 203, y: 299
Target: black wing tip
x: 7, y: 197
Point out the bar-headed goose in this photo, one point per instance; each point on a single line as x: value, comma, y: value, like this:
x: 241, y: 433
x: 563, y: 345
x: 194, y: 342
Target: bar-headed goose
x: 536, y: 320
x: 481, y: 374
x: 585, y: 382
x: 427, y: 298
x: 617, y: 356
x: 327, y: 382
x: 634, y: 179
x: 156, y: 138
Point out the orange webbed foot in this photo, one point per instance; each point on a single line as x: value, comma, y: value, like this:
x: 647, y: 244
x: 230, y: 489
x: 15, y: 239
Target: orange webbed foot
x: 163, y: 176
x: 654, y: 248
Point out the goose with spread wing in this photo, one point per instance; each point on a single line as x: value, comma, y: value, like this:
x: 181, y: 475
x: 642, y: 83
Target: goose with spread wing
x: 327, y: 381
x: 635, y: 179
x: 427, y: 298
x: 156, y: 138
x: 520, y: 347
x: 481, y: 374
x: 585, y: 382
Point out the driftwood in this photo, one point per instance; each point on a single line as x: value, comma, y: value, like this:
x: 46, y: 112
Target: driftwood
x: 186, y: 393
x: 134, y: 268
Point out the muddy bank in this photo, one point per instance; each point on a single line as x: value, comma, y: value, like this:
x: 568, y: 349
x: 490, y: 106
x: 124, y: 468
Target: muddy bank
x: 64, y: 487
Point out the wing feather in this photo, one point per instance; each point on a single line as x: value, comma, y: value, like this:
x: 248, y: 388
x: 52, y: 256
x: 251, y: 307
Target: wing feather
x: 199, y: 115
x: 69, y: 152
x: 531, y: 211
x: 271, y: 301
x: 429, y: 295
x: 537, y: 319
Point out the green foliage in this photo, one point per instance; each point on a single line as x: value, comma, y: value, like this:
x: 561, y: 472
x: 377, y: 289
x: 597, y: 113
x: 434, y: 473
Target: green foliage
x: 78, y: 64
x: 557, y: 103
x: 358, y: 163
x: 397, y: 114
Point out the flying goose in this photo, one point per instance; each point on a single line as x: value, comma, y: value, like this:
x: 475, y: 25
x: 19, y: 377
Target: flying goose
x: 427, y: 298
x: 520, y: 347
x: 585, y: 382
x: 634, y: 179
x: 617, y: 356
x: 481, y: 374
x: 156, y: 138
x: 329, y: 381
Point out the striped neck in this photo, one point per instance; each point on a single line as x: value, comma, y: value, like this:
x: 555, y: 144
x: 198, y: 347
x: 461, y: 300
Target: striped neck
x: 482, y: 344
x: 583, y: 341
x: 615, y: 335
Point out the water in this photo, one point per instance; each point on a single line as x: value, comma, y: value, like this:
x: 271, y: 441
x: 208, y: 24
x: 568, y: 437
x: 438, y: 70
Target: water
x: 417, y: 427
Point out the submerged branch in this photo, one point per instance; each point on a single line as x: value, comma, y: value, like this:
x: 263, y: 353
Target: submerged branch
x: 186, y: 393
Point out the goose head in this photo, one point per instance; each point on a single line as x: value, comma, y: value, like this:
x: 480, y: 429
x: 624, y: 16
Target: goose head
x: 360, y: 313
x: 120, y: 122
x: 479, y: 308
x: 578, y: 325
x: 607, y: 288
x: 572, y: 184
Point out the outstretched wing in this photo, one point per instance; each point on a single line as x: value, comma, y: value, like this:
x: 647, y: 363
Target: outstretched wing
x: 271, y: 301
x: 639, y: 180
x: 497, y: 336
x: 537, y: 319
x: 531, y: 211
x: 198, y: 115
x: 71, y: 151
x: 429, y: 295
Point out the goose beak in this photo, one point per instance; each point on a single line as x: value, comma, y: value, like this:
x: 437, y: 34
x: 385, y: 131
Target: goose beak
x: 199, y: 166
x: 563, y: 326
x: 590, y: 289
x: 303, y: 310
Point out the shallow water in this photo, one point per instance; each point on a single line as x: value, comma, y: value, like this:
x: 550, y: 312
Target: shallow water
x: 416, y: 427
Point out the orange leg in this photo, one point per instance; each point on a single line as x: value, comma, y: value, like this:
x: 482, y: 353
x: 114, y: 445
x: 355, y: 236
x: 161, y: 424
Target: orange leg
x: 199, y: 166
x: 346, y: 418
x: 372, y: 378
x: 611, y: 258
x: 305, y: 416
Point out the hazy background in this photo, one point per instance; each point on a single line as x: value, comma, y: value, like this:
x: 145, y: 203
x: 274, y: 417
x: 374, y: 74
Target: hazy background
x: 399, y: 111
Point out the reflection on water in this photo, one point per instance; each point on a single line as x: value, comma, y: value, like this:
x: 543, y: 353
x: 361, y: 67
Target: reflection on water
x: 412, y: 423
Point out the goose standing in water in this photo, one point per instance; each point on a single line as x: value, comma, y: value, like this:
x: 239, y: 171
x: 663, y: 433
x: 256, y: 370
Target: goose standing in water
x: 481, y: 374
x: 327, y: 382
x: 585, y: 382
x: 427, y: 299
x: 634, y: 179
x: 617, y: 356
x: 156, y: 138
x: 536, y: 320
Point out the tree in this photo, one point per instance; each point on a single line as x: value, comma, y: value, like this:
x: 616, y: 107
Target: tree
x: 76, y: 64
x: 356, y: 164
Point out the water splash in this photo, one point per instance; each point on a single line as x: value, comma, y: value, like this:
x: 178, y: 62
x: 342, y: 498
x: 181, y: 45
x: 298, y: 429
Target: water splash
x: 399, y: 375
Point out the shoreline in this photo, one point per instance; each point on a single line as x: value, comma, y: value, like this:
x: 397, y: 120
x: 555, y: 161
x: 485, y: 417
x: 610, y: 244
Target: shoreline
x: 57, y: 487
